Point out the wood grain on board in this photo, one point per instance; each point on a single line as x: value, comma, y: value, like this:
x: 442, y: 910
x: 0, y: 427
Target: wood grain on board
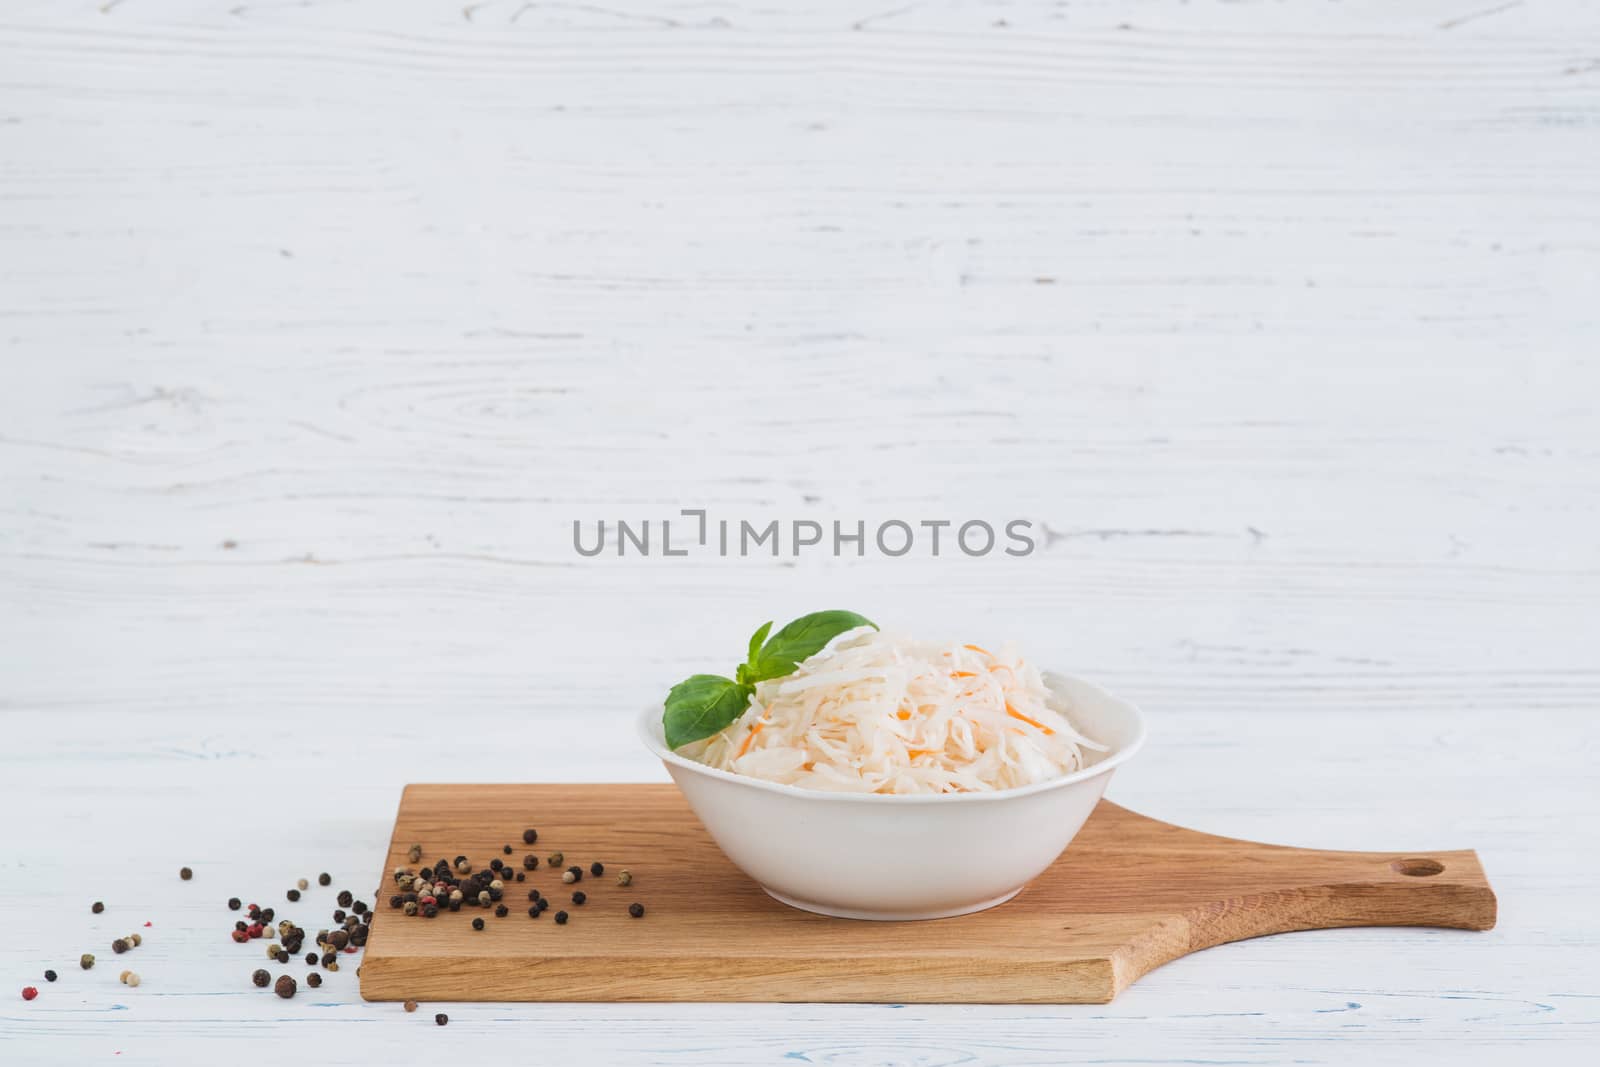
x: 1129, y: 894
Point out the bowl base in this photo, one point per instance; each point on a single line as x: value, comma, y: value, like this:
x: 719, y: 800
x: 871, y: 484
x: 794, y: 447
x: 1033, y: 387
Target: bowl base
x: 888, y: 916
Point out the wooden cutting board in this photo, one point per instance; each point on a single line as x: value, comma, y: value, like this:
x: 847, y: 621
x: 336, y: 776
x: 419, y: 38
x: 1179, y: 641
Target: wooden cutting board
x: 1129, y: 894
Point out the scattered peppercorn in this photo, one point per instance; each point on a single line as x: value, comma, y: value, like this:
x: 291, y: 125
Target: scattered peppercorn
x: 507, y: 850
x: 529, y: 836
x: 284, y: 987
x: 554, y: 860
x: 346, y: 898
x: 97, y: 907
x: 49, y: 976
x: 282, y: 955
x: 533, y: 894
x: 561, y: 918
x: 579, y: 897
x: 233, y: 904
x: 572, y: 874
x: 267, y: 914
x: 477, y: 924
x: 462, y: 866
x: 636, y: 910
x: 410, y: 907
x: 324, y: 878
x: 293, y: 895
x: 535, y: 911
x: 430, y: 911
x: 501, y: 911
x: 597, y: 868
x: 135, y: 940
x: 302, y: 884
x: 530, y: 862
x: 119, y: 946
x: 260, y: 977
x: 86, y: 961
x: 334, y: 966
x: 132, y: 979
x: 185, y: 873
x: 410, y: 1005
x: 313, y: 979
x: 625, y: 878
x: 441, y: 1019
x: 359, y: 907
x: 521, y: 877
x: 240, y: 936
x: 311, y: 959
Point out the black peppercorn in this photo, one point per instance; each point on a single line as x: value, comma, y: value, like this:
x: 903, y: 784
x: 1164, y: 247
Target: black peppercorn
x: 260, y: 978
x: 561, y: 918
x: 324, y: 878
x: 119, y: 946
x: 313, y: 979
x: 328, y: 957
x: 359, y: 907
x: 544, y: 903
x: 97, y: 907
x: 430, y: 911
x: 311, y: 959
x: 241, y: 925
x: 49, y: 976
x: 530, y: 862
x: 267, y: 914
x: 233, y: 904
x: 284, y: 987
x: 507, y: 850
x: 579, y: 897
x: 282, y: 955
x: 338, y: 939
x: 396, y: 900
x: 572, y: 874
x: 185, y: 873
x: 597, y: 868
x: 535, y: 911
x: 339, y: 916
x: 636, y: 910
x: 345, y: 898
x: 529, y: 836
x: 441, y: 1018
x: 495, y: 864
x: 533, y: 894
x: 477, y: 924
x: 501, y: 911
x: 521, y: 877
x: 293, y: 895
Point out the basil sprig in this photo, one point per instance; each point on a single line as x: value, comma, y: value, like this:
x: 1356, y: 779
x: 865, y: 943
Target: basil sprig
x: 704, y: 704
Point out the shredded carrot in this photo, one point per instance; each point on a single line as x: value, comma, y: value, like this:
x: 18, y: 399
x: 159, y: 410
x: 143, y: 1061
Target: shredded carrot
x: 913, y: 753
x: 902, y: 715
x: 979, y: 649
x: 756, y: 729
x: 1015, y: 714
x: 962, y: 674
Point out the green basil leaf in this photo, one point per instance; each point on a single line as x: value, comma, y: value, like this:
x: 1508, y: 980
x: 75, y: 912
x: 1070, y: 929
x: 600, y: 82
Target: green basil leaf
x: 700, y: 705
x: 755, y: 642
x: 804, y: 637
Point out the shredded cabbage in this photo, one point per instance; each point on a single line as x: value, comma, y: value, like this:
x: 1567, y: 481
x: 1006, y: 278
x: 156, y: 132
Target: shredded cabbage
x: 874, y: 713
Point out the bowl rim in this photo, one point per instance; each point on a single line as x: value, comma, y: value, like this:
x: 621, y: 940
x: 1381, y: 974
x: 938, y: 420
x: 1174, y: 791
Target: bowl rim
x: 650, y: 717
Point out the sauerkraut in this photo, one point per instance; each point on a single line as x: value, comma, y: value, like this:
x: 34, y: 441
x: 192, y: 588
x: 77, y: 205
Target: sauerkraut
x: 875, y: 713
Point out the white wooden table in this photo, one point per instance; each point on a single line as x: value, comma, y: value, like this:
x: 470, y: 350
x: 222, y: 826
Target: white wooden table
x: 321, y: 322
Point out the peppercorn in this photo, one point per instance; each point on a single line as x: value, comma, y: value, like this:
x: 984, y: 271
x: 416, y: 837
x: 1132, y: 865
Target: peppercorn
x: 311, y: 959
x: 119, y: 946
x: 313, y: 979
x: 260, y: 977
x: 49, y: 976
x: 293, y: 895
x: 267, y: 914
x: 135, y: 940
x: 334, y: 966
x: 86, y: 961
x: 483, y: 899
x: 324, y: 878
x: 455, y: 905
x: 241, y: 925
x: 282, y: 955
x: 284, y: 986
x: 521, y: 877
x: 97, y: 907
x: 441, y: 1019
x: 410, y: 1005
x: 529, y: 836
x: 410, y: 907
x: 554, y: 859
x: 272, y: 952
x: 346, y: 898
x: 329, y: 957
x: 544, y: 903
x: 533, y: 894
x: 561, y: 918
x: 396, y: 900
x: 572, y: 874
x: 414, y: 853
x: 240, y: 936
x: 625, y: 878
x: 636, y: 910
x: 302, y: 884
x: 359, y: 907
x: 507, y: 850
x: 430, y: 911
x: 185, y: 873
x: 530, y: 862
x: 338, y: 939
x: 29, y: 992
x: 579, y: 897
x: 462, y: 866
x: 123, y: 977
x: 501, y: 911
x: 132, y: 979
x: 477, y: 924
x: 535, y: 911
x: 233, y: 904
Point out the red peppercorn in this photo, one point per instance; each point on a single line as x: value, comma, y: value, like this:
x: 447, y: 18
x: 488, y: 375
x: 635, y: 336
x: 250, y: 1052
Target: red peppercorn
x: 29, y: 992
x: 254, y: 930
x: 240, y: 936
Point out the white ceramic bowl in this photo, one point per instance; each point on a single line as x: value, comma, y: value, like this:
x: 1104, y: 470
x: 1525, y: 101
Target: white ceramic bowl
x: 904, y: 857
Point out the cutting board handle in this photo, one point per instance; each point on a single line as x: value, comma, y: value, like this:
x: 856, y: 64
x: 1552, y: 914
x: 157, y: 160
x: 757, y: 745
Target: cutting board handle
x: 1243, y: 889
